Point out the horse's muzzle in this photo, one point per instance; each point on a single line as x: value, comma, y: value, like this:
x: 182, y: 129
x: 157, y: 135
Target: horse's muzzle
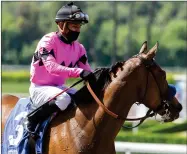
x: 178, y: 107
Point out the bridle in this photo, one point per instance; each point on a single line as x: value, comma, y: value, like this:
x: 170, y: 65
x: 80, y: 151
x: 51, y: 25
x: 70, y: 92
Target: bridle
x: 164, y: 106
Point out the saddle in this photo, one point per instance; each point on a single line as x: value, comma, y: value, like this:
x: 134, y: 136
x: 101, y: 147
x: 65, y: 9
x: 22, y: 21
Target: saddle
x: 16, y: 139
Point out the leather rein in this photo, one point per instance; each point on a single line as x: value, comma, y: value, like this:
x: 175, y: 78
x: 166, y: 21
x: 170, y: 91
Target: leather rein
x: 114, y: 115
x: 150, y: 112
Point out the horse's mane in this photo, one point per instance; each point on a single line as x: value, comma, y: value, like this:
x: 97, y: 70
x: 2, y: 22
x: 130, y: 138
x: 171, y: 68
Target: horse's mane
x: 102, y: 76
x: 99, y: 83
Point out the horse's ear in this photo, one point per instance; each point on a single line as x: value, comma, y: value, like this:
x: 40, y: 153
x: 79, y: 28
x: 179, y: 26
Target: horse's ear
x: 152, y: 52
x: 143, y: 48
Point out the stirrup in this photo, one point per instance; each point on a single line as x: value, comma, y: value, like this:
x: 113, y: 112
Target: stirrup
x: 34, y: 133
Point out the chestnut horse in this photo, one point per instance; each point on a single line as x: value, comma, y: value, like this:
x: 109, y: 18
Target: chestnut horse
x: 88, y: 128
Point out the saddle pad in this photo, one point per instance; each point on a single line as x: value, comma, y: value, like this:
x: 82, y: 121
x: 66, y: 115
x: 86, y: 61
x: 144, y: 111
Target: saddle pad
x: 15, y: 137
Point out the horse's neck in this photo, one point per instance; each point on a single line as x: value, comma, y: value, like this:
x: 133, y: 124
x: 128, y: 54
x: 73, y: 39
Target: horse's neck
x: 119, y: 96
x: 118, y: 101
x: 91, y: 120
x: 89, y: 124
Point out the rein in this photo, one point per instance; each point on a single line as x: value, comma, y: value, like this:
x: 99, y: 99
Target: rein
x: 148, y: 114
x: 73, y: 85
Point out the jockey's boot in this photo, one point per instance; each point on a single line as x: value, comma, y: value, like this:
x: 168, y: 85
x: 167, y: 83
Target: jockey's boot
x: 40, y: 114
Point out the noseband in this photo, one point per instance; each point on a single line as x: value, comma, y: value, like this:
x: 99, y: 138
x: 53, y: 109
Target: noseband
x: 149, y: 64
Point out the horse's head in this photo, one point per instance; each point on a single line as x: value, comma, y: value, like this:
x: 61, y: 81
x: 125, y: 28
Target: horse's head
x: 139, y: 79
x: 155, y: 93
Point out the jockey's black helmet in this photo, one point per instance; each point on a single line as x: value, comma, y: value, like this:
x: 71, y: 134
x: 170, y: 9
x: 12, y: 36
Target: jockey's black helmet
x: 71, y: 12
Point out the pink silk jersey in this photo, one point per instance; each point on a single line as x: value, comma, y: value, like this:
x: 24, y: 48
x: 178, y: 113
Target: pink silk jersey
x: 55, y: 61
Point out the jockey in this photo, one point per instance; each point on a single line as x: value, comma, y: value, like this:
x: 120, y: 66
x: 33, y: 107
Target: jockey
x: 58, y: 56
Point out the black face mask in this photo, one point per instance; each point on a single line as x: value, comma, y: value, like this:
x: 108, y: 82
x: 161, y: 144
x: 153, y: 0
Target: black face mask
x: 72, y: 35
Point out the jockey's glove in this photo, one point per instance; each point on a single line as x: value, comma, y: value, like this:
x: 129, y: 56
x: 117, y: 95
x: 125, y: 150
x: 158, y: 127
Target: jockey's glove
x: 86, y: 75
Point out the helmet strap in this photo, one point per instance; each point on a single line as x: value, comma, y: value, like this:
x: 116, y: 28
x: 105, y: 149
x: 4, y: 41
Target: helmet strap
x: 62, y: 27
x: 65, y: 27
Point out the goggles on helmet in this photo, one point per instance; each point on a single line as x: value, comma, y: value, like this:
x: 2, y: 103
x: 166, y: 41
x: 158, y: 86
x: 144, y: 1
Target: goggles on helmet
x: 80, y: 16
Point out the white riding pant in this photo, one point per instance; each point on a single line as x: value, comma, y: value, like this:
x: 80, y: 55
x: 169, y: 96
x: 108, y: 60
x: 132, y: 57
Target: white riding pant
x: 41, y: 94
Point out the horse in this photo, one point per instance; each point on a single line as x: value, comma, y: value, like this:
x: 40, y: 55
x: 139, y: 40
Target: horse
x: 91, y: 128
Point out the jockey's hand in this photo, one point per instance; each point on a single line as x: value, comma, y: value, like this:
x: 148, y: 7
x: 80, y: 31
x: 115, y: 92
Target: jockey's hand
x: 86, y: 75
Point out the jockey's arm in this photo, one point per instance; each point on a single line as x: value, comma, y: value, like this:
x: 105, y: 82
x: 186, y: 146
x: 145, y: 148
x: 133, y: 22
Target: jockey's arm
x: 54, y: 68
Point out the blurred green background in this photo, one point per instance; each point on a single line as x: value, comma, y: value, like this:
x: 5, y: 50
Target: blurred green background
x: 115, y: 32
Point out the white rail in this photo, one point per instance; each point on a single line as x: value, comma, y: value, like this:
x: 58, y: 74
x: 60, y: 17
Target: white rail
x: 128, y: 147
